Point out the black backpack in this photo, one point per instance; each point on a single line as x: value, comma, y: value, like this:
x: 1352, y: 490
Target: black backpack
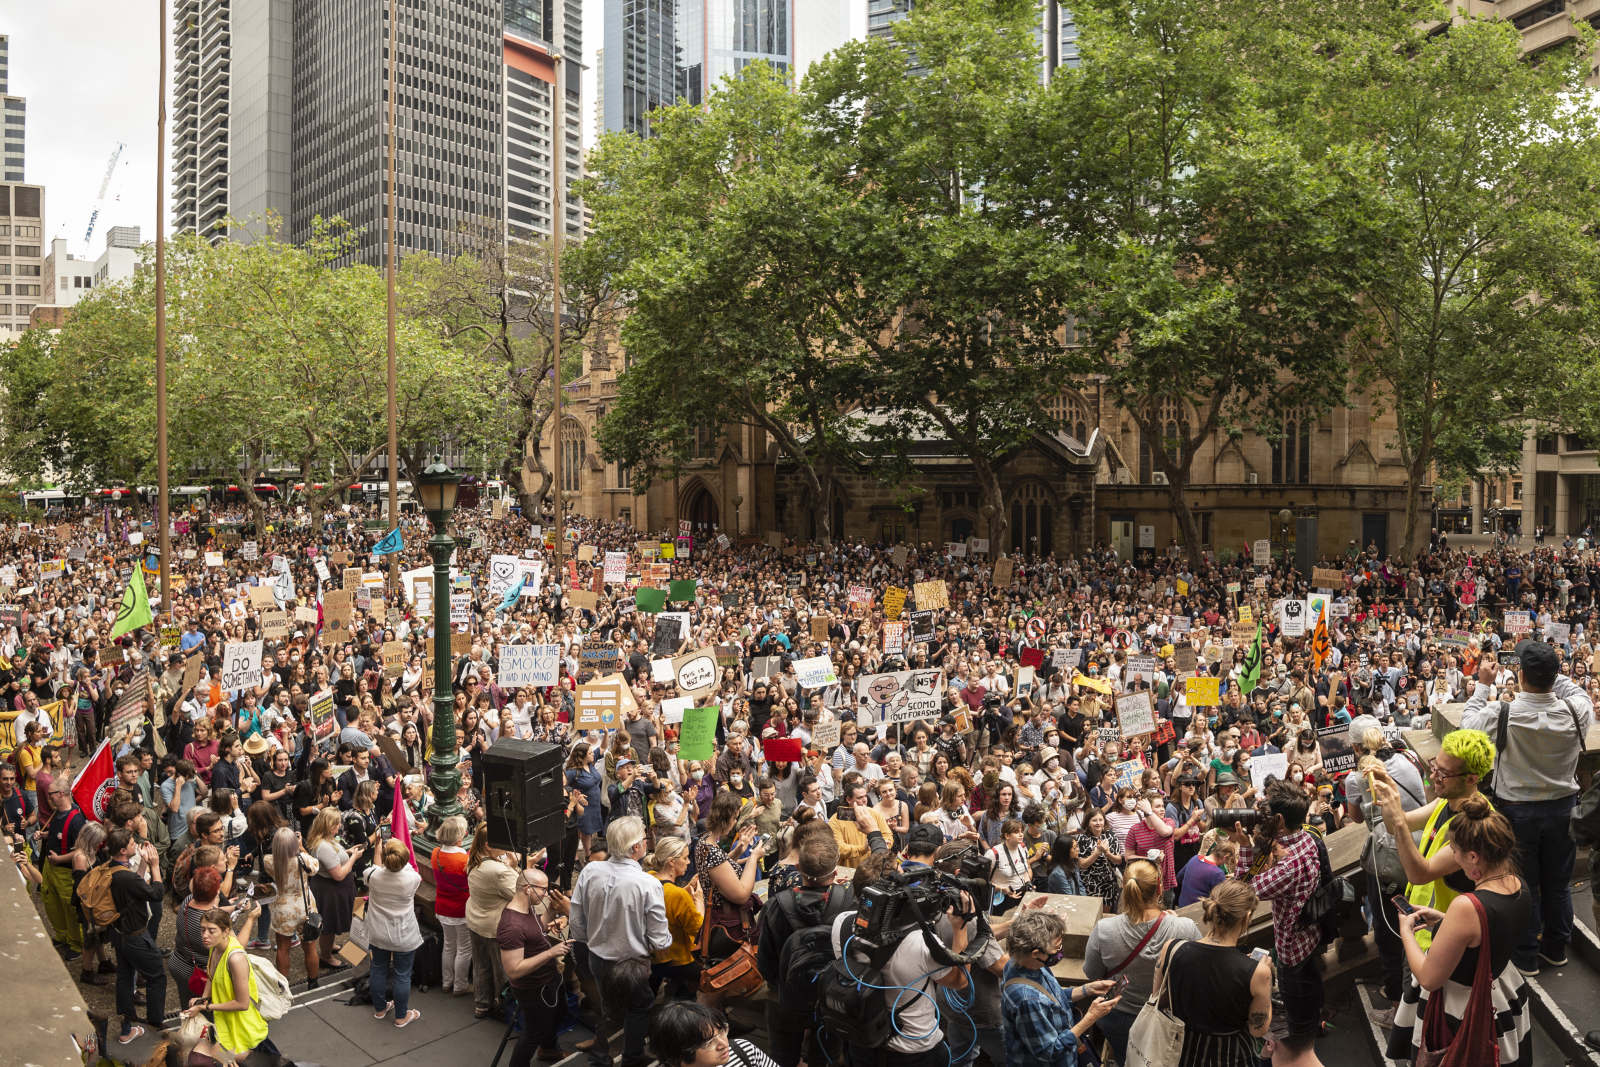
x: 1333, y: 903
x: 809, y: 948
x: 851, y: 1003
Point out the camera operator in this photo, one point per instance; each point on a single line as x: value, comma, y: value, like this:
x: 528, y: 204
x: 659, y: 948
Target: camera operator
x: 1287, y: 879
x: 817, y: 901
x: 910, y: 977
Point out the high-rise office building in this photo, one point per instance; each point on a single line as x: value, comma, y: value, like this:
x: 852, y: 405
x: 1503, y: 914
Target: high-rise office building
x: 21, y: 254
x: 721, y: 37
x: 13, y: 133
x: 1057, y: 31
x: 202, y: 67
x: 640, y: 72
x: 532, y: 27
x: 449, y: 153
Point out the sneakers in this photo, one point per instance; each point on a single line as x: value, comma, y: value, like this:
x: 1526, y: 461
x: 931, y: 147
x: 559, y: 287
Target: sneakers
x: 1552, y: 960
x: 1384, y: 1018
x: 258, y: 944
x: 1529, y: 972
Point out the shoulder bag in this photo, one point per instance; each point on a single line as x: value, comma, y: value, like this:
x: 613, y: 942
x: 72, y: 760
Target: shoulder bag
x: 1119, y: 968
x: 1475, y: 1042
x: 735, y: 975
x: 1156, y: 1039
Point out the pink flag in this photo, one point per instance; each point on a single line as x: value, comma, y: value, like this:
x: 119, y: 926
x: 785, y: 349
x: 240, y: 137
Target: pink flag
x: 400, y: 821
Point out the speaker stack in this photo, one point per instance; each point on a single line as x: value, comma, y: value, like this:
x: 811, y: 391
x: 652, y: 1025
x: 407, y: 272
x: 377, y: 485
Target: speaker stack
x: 524, y: 795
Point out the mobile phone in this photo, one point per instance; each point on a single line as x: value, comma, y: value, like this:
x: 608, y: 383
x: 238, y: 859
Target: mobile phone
x: 1402, y: 905
x: 1118, y: 986
x: 1259, y: 954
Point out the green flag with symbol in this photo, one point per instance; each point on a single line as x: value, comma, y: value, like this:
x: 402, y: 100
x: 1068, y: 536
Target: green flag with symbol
x: 1250, y: 670
x: 134, y: 611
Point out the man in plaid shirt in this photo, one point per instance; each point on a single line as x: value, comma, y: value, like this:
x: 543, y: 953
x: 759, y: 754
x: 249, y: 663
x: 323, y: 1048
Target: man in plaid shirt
x: 1287, y: 880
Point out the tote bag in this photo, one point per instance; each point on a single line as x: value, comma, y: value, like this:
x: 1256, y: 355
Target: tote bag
x: 1156, y: 1039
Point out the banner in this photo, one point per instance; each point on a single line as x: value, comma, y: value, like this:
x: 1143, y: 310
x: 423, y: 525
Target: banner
x: 899, y: 696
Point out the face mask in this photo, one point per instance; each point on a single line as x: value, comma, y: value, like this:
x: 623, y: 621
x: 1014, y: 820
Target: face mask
x: 697, y: 775
x: 1129, y: 804
x: 1054, y: 958
x: 736, y: 781
x: 1296, y: 776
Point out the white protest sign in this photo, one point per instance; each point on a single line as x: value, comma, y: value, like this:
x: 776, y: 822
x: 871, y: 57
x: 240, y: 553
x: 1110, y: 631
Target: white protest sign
x: 1292, y: 616
x: 533, y: 571
x: 503, y: 572
x: 825, y: 736
x: 1275, y: 764
x: 523, y: 665
x: 616, y: 568
x: 1136, y: 713
x: 241, y: 665
x: 250, y: 550
x: 899, y: 696
x: 214, y: 559
x: 1261, y: 553
x: 672, y: 708
x: 816, y: 672
x: 661, y: 671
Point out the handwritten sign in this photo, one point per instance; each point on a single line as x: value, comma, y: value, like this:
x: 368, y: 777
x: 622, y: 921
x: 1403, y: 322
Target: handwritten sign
x: 697, y: 739
x: 815, y: 672
x: 894, y: 602
x: 241, y: 665
x: 1329, y: 578
x: 1202, y: 692
x: 527, y: 665
x: 932, y: 594
x: 1136, y: 714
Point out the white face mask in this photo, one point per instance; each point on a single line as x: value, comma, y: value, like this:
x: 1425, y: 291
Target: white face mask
x: 1129, y: 804
x: 1296, y: 776
x: 697, y: 775
x: 736, y: 781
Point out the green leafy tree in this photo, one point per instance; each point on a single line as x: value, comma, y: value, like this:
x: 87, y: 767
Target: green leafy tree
x: 1482, y: 306
x: 719, y: 229
x: 494, y: 306
x: 1211, y: 256
x: 938, y: 277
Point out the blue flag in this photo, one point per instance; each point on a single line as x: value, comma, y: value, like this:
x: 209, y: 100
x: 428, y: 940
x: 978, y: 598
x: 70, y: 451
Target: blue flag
x: 512, y: 595
x: 391, y: 543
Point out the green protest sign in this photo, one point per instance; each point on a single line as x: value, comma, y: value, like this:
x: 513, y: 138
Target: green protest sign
x: 697, y: 739
x: 647, y: 599
x: 680, y: 592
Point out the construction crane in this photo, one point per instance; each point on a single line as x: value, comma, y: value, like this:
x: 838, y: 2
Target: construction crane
x: 99, y: 201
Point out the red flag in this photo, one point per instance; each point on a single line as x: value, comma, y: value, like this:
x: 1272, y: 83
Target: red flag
x: 400, y: 820
x: 781, y: 750
x: 95, y: 782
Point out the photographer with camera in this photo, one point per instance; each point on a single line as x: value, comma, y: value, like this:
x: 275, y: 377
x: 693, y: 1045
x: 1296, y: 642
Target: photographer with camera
x: 859, y: 829
x: 1288, y: 877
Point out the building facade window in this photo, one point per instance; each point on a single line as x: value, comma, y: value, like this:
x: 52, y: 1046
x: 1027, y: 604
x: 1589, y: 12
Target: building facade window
x: 1069, y: 412
x: 1291, y: 451
x: 1032, y: 520
x: 572, y: 456
x: 1172, y: 422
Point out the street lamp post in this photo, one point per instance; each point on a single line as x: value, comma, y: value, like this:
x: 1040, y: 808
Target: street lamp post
x: 437, y: 487
x: 1285, y: 517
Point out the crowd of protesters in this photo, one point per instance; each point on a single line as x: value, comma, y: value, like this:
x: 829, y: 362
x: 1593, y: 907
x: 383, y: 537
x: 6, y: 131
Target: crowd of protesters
x: 670, y: 865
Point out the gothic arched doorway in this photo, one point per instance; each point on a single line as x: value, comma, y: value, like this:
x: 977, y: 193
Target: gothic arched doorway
x: 700, y: 508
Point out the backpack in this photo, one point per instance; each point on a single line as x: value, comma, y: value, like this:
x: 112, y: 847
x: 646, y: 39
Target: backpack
x: 1486, y: 785
x: 809, y: 949
x: 1333, y: 903
x: 851, y: 1003
x: 94, y: 892
x: 273, y: 995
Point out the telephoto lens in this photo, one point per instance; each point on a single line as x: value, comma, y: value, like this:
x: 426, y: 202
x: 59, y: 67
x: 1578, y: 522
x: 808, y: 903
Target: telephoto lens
x: 1224, y: 818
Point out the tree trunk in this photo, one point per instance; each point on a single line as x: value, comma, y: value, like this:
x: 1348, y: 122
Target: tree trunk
x: 999, y: 521
x: 1415, y: 473
x: 1177, y: 482
x: 313, y: 500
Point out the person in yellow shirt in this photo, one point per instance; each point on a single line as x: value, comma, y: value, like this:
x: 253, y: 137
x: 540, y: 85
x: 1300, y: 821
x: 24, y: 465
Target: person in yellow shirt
x: 854, y: 824
x: 231, y: 993
x: 686, y: 909
x: 30, y: 759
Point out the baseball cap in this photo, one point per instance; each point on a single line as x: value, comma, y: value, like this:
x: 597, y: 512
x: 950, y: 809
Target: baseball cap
x: 924, y: 838
x: 624, y: 761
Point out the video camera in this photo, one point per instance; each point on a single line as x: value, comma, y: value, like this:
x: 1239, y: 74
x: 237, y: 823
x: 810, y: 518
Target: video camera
x: 903, y: 902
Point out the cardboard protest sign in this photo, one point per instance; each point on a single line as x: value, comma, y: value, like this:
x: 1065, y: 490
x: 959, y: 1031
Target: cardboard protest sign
x: 921, y: 626
x: 586, y: 553
x: 894, y: 602
x: 1203, y: 692
x: 898, y: 556
x: 351, y: 579
x: 697, y: 739
x: 241, y: 665
x: 275, y: 625
x: 1128, y: 772
x: 193, y: 666
x: 774, y: 539
x: 214, y: 559
x: 260, y: 596
x: 1136, y: 714
x: 171, y: 636
x: 1329, y: 578
x: 1261, y: 553
x: 763, y: 668
x: 460, y: 643
x: 696, y: 672
x: 582, y: 599
x: 816, y: 672
x: 1003, y: 569
x: 728, y: 655
x: 525, y: 665
x: 932, y: 594
x: 825, y: 736
x: 899, y: 696
x: 819, y: 627
x: 598, y: 707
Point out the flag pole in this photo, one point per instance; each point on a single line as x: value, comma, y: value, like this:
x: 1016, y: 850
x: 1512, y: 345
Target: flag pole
x: 163, y: 519
x: 558, y: 132
x: 394, y: 447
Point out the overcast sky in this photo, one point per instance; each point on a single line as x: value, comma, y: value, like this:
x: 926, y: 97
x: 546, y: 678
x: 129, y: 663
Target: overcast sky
x: 89, y: 71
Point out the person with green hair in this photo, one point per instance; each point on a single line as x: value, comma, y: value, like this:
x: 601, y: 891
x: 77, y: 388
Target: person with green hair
x: 1433, y: 870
